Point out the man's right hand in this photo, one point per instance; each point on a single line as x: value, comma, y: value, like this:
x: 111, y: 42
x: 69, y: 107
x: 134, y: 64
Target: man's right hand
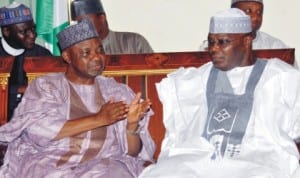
x: 109, y: 113
x: 112, y: 112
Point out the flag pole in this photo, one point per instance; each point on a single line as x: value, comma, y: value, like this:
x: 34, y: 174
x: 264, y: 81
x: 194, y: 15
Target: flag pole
x: 69, y: 10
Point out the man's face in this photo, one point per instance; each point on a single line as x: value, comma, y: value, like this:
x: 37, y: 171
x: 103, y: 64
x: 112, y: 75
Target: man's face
x: 254, y: 10
x: 228, y: 50
x: 86, y: 60
x: 100, y: 23
x: 21, y: 35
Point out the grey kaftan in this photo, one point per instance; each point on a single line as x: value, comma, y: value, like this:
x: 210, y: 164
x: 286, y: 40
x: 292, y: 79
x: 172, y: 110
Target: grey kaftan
x: 125, y: 43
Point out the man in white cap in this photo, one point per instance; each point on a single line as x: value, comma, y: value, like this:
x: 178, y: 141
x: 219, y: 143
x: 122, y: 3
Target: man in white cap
x: 18, y: 40
x: 113, y: 42
x: 235, y: 116
x: 255, y: 9
x: 78, y: 123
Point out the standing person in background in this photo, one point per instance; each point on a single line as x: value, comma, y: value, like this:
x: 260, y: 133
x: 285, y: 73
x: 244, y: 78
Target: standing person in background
x: 261, y: 40
x: 78, y: 123
x: 255, y: 9
x: 18, y: 40
x: 235, y: 116
x: 113, y: 42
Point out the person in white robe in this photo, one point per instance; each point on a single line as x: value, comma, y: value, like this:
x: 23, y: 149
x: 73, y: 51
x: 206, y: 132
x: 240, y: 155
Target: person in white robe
x: 114, y: 42
x: 236, y: 116
x: 261, y: 40
x: 255, y: 9
x: 78, y: 123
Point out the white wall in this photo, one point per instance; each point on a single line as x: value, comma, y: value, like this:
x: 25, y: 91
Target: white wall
x: 181, y: 25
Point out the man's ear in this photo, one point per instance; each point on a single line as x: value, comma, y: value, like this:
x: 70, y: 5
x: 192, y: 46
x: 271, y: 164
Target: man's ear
x: 5, y: 32
x: 103, y: 17
x: 66, y: 56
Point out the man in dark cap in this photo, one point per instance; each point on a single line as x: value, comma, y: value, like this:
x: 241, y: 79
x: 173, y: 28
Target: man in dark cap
x: 113, y: 42
x: 78, y: 123
x: 18, y: 40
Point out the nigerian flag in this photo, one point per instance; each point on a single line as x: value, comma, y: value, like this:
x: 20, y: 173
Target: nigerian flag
x: 51, y: 18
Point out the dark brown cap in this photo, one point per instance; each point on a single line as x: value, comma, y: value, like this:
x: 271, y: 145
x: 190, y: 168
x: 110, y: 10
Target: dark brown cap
x: 83, y: 7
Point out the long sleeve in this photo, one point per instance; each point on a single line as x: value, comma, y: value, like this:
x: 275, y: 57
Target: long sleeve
x: 43, y: 107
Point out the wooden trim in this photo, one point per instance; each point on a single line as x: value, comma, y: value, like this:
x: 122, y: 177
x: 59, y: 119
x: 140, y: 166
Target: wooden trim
x: 6, y: 64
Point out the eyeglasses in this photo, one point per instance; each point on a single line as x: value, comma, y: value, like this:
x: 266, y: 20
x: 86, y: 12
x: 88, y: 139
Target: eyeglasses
x: 222, y: 43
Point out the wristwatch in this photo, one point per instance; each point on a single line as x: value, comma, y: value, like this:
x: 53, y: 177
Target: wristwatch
x: 137, y: 132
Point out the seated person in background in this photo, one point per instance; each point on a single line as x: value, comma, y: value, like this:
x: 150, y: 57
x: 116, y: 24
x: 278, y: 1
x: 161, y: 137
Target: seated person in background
x: 78, y: 123
x: 255, y: 9
x: 235, y: 116
x: 261, y: 40
x: 113, y: 42
x: 18, y: 39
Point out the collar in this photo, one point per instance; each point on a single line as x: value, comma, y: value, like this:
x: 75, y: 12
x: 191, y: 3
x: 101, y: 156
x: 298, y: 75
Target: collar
x: 256, y: 37
x: 10, y: 50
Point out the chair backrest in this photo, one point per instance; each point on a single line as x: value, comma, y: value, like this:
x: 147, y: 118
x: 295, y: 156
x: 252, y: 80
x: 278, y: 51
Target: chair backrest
x: 6, y: 64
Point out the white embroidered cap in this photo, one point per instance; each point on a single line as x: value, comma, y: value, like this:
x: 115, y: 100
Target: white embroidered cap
x: 232, y: 20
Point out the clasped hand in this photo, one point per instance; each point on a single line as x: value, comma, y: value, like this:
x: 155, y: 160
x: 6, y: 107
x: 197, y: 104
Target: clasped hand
x: 112, y: 111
